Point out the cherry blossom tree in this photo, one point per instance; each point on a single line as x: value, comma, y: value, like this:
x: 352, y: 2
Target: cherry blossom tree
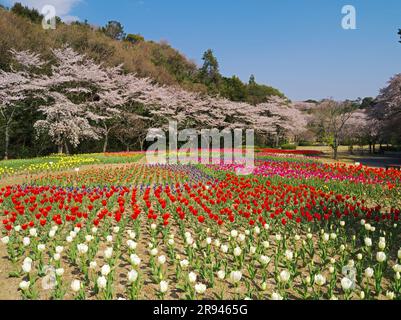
x: 330, y: 119
x: 16, y: 86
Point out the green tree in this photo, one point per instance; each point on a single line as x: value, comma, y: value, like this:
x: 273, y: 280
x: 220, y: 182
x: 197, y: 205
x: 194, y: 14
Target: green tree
x: 114, y: 30
x: 209, y: 73
x: 23, y: 11
x: 252, y: 80
x: 233, y: 89
x: 134, y: 38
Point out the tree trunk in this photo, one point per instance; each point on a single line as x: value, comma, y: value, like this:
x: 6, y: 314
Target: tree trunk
x: 106, y: 137
x: 67, y: 151
x: 335, y: 151
x: 106, y: 142
x: 141, y: 142
x: 60, y: 148
x: 7, y: 141
x: 370, y: 147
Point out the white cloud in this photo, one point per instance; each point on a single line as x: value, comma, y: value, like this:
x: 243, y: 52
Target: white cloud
x: 63, y: 7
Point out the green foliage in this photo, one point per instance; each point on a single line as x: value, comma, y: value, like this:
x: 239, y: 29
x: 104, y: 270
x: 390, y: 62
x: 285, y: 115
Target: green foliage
x: 23, y: 11
x: 134, y: 38
x: 114, y: 30
x: 289, y: 146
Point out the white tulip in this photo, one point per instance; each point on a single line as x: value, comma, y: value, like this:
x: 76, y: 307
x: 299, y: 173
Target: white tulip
x: 82, y: 248
x: 131, y: 244
x: 108, y: 253
x: 252, y: 250
x: 59, y: 249
x: 369, y: 272
x: 59, y: 272
x: 192, y: 277
x: 153, y: 252
x: 333, y: 236
x: 342, y: 223
x: 224, y: 248
x: 153, y: 226
x: 278, y: 237
x: 200, y: 288
x: 381, y: 256
x: 326, y: 237
x: 368, y: 242
x: 5, y: 240
x: 362, y: 295
x: 235, y: 276
x: 132, y: 276
x: 320, y: 280
x: 399, y: 254
x: 101, y: 282
x: 217, y: 243
x: 41, y: 247
x: 94, y: 230
x: 397, y: 268
x: 26, y: 241
x: 105, y: 270
x: 256, y: 230
x: 264, y: 260
x: 234, y: 233
x: 88, y: 238
x: 208, y: 240
x: 24, y: 285
x: 17, y: 228
x: 237, y: 251
x: 297, y: 237
x: 284, y: 276
x: 116, y: 229
x: 52, y: 233
x: 109, y: 238
x: 241, y: 238
x: 56, y: 257
x: 221, y: 274
x: 359, y: 256
x: 76, y: 285
x: 309, y: 236
x: 189, y: 241
x: 135, y: 260
x: 170, y: 242
x: 163, y: 286
x: 289, y: 255
x: 276, y: 296
x: 184, y: 263
x: 26, y: 267
x: 92, y: 265
x: 161, y: 259
x: 69, y: 239
x: 331, y: 269
x: 390, y: 295
x: 266, y: 244
x: 346, y: 283
x: 33, y: 232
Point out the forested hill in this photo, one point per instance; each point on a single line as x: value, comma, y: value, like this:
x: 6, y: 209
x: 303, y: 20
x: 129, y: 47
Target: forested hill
x: 21, y: 29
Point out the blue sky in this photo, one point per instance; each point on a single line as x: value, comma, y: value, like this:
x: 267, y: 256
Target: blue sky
x: 297, y: 46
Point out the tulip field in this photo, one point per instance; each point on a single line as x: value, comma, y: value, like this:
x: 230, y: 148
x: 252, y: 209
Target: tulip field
x: 295, y: 228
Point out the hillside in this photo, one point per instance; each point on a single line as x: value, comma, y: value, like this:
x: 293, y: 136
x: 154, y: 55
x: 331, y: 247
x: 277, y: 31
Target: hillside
x: 21, y: 30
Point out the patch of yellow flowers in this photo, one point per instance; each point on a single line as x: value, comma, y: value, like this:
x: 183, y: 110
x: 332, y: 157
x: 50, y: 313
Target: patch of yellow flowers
x: 50, y: 163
